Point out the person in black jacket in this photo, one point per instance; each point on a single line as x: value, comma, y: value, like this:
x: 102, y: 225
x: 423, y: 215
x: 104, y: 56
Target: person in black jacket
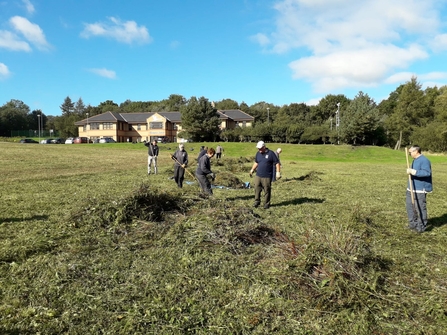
x: 181, y: 162
x: 203, y: 151
x: 204, y: 170
x: 152, y: 156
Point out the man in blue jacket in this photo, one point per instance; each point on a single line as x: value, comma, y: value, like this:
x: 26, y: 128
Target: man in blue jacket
x: 265, y: 162
x: 421, y: 179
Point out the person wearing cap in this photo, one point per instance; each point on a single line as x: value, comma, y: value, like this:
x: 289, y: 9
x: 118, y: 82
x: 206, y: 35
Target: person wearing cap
x: 265, y: 161
x: 278, y: 152
x: 152, y: 156
x: 204, y: 170
x: 180, y: 157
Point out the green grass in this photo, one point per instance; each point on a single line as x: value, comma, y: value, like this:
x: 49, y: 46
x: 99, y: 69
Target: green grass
x: 90, y: 244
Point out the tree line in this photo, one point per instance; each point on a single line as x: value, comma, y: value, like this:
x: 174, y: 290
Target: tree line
x: 409, y: 115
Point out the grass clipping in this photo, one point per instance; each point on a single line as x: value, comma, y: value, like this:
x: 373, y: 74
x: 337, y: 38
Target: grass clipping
x: 143, y: 204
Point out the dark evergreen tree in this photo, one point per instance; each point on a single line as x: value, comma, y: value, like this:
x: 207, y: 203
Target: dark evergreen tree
x: 200, y: 121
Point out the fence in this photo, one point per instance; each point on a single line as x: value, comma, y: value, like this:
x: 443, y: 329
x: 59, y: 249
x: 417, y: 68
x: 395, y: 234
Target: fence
x: 34, y: 133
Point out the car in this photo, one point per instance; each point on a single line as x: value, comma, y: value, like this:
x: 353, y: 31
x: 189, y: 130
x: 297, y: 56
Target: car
x: 79, y: 140
x: 107, y: 140
x: 28, y: 140
x: 47, y: 141
x: 69, y: 140
x: 58, y: 141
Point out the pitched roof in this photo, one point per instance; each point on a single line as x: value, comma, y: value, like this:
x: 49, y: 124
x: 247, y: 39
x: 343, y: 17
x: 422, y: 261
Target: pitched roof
x: 105, y: 117
x: 235, y: 114
x: 172, y: 116
x: 134, y: 118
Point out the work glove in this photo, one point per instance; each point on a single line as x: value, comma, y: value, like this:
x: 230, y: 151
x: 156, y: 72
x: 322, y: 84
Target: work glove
x: 183, y: 165
x: 278, y: 175
x: 411, y: 171
x: 251, y: 173
x: 212, y: 176
x: 172, y: 157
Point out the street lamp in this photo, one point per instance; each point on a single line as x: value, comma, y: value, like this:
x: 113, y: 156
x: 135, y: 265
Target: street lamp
x: 337, y: 122
x: 268, y: 115
x: 86, y: 129
x: 38, y: 124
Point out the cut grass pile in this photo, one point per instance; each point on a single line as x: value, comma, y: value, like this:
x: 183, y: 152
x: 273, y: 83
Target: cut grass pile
x: 91, y: 244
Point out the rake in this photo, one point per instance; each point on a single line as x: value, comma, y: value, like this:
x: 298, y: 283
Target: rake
x: 410, y: 181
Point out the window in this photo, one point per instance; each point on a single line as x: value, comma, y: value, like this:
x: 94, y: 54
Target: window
x: 107, y: 125
x: 156, y: 125
x: 94, y: 125
x: 244, y: 124
x: 174, y: 126
x: 130, y: 128
x: 138, y: 126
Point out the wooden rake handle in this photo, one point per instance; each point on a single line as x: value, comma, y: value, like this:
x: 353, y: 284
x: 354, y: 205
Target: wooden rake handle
x: 409, y: 177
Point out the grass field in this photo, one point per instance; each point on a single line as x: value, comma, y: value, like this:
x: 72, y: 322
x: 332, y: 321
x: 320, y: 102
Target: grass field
x: 90, y: 244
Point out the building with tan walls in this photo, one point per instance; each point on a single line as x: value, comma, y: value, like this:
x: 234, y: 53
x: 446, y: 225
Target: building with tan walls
x: 139, y: 127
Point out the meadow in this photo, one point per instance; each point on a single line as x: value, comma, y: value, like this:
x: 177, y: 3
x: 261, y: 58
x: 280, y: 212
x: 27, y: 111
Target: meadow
x: 90, y: 244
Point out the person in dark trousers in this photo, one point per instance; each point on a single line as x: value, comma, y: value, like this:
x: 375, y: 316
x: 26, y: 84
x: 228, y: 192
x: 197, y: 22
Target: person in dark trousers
x: 219, y: 151
x: 204, y: 170
x: 421, y: 179
x: 278, y: 152
x: 265, y: 160
x: 152, y: 149
x: 181, y: 162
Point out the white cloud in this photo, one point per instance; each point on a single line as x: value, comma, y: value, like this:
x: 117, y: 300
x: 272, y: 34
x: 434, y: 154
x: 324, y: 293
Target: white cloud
x: 400, y: 77
x: 439, y: 43
x: 11, y: 41
x: 353, y: 68
x: 30, y: 31
x: 29, y: 6
x: 313, y: 102
x: 351, y: 43
x: 4, y: 71
x: 125, y: 32
x: 104, y: 73
x: 426, y: 78
x: 174, y: 44
x: 261, y: 39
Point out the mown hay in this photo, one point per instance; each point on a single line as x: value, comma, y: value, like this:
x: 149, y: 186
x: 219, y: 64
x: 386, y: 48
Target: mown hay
x: 228, y: 179
x: 142, y: 203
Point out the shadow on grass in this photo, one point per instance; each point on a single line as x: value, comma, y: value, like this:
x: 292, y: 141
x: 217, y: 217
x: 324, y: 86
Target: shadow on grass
x: 33, y: 218
x: 299, y: 201
x: 437, y: 222
x: 244, y: 197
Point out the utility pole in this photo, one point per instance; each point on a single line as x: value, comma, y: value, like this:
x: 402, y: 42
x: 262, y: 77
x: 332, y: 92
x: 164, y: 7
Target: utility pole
x: 268, y: 115
x: 337, y: 122
x: 38, y: 124
x: 86, y: 129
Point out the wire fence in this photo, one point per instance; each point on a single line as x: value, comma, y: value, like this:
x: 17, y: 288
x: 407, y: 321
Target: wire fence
x: 34, y: 133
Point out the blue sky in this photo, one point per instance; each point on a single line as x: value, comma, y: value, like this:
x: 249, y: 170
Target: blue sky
x: 280, y: 52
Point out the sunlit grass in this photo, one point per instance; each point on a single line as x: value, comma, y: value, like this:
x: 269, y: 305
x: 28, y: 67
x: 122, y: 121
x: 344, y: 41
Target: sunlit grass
x: 331, y: 256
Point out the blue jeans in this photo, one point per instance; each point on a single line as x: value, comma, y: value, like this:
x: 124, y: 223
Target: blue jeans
x: 417, y: 214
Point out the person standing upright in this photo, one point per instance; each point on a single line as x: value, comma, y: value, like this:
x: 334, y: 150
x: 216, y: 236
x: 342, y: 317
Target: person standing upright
x: 203, y: 151
x: 219, y: 151
x: 421, y: 179
x: 204, y: 170
x: 265, y: 160
x: 278, y: 152
x: 152, y: 156
x: 181, y: 162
